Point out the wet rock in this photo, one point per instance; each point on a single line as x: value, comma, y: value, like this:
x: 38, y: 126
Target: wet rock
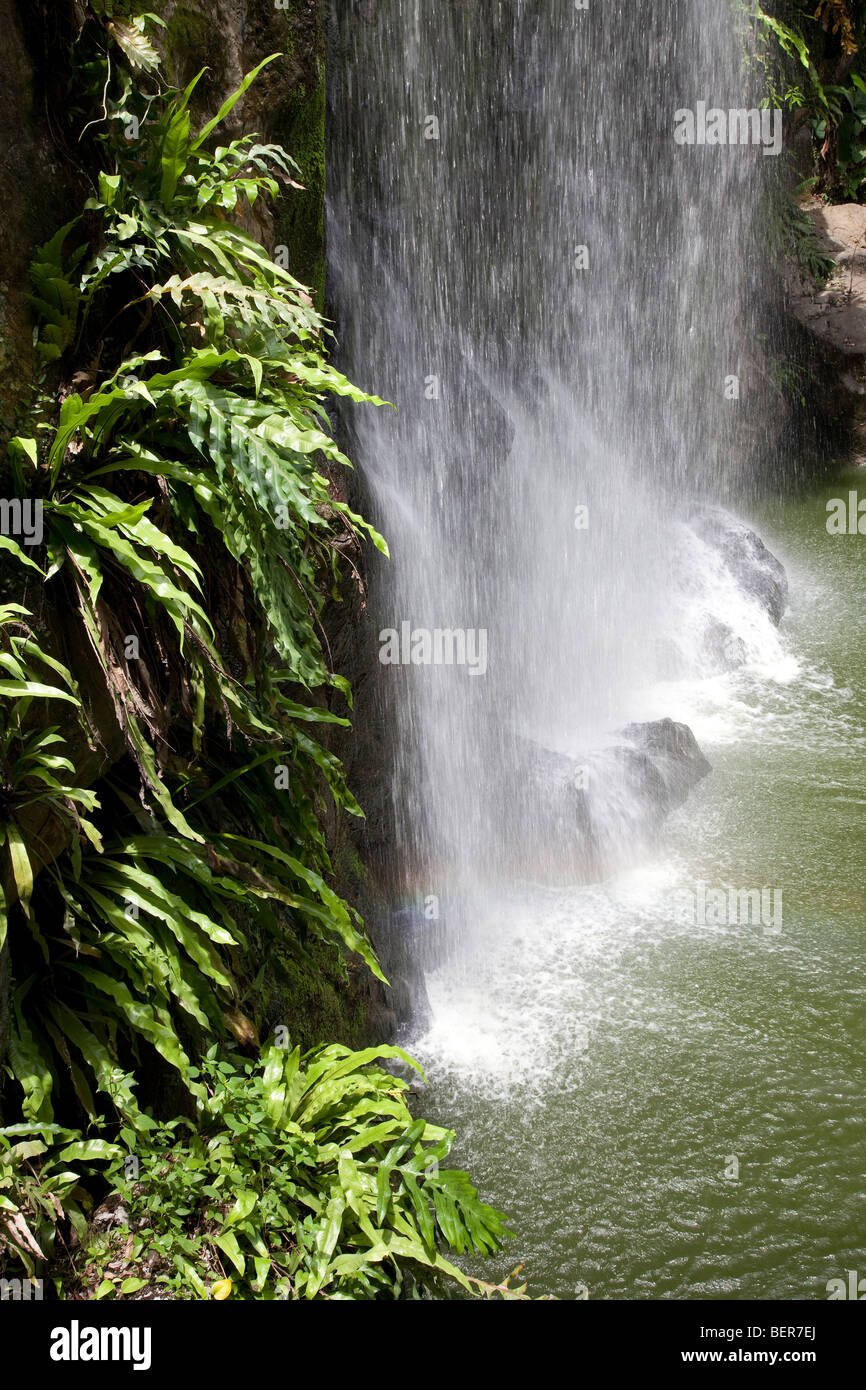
x: 665, y: 763
x: 581, y: 810
x: 407, y: 945
x: 837, y: 314
x: 753, y: 567
x: 832, y: 317
x: 722, y: 649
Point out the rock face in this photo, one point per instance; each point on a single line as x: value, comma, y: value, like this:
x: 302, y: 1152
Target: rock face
x: 40, y: 187
x: 754, y: 568
x: 835, y: 313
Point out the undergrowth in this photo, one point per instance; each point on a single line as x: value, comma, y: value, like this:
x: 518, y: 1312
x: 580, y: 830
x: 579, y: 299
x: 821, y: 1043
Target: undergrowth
x: 164, y: 685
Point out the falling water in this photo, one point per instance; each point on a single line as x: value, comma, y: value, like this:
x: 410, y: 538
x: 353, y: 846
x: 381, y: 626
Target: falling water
x: 553, y: 293
x: 565, y: 306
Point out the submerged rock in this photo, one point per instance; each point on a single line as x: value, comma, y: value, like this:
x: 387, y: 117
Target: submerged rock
x: 564, y: 818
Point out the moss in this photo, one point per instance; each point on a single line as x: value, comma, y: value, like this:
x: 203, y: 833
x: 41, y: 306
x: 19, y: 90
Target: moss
x: 186, y: 31
x: 117, y: 9
x: 301, y: 221
x: 318, y: 996
x: 191, y: 42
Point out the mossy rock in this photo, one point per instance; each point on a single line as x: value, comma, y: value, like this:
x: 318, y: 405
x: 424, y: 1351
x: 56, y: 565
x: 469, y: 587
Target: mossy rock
x: 286, y: 105
x: 301, y: 222
x: 320, y: 995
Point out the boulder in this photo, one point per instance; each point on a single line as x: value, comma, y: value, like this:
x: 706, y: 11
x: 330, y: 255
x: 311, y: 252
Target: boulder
x: 665, y: 764
x: 753, y: 567
x: 722, y: 649
x: 577, y: 813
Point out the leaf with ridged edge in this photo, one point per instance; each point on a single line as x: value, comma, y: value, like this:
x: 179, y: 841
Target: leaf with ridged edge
x: 333, y: 914
x: 130, y: 36
x: 109, y: 1075
x: 159, y: 959
x: 152, y: 1023
x: 185, y: 923
x: 29, y: 1065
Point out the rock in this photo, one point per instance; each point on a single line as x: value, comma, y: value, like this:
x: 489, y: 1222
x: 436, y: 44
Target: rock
x: 753, y: 567
x: 109, y: 1214
x: 668, y: 764
x: 723, y: 650
x: 833, y: 316
x: 581, y: 810
x: 837, y: 314
x: 407, y: 946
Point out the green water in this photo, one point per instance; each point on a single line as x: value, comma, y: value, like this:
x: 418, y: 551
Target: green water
x: 675, y: 1111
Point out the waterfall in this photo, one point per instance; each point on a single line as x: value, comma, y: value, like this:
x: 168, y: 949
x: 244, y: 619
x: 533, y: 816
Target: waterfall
x: 567, y: 303
x: 559, y: 300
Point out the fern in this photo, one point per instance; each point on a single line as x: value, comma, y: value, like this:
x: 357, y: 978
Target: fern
x: 197, y: 457
x: 189, y: 503
x: 55, y: 296
x: 131, y: 36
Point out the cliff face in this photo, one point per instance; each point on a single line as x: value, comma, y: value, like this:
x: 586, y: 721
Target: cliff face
x: 37, y: 179
x: 286, y: 105
x: 834, y: 312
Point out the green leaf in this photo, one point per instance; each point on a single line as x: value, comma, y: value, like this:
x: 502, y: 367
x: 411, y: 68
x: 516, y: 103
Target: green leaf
x: 227, y: 1242
x: 175, y: 153
x: 133, y: 1285
x: 22, y: 870
x: 20, y: 689
x: 244, y: 1204
x: 329, y: 1234
x: 109, y: 187
x: 232, y: 101
x: 90, y: 1149
x: 29, y: 1065
x: 422, y: 1213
